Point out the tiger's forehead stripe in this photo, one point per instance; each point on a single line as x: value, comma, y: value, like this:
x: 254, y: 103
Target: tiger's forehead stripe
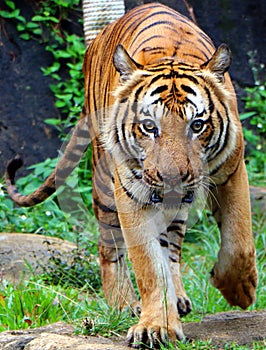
x: 166, y: 29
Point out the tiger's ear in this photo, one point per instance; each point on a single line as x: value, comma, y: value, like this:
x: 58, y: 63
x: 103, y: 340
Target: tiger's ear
x: 219, y: 62
x: 124, y: 64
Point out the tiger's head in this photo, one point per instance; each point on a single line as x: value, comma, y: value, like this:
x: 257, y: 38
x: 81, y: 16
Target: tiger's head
x: 170, y: 121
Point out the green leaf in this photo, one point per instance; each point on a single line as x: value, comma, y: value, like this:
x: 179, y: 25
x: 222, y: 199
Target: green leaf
x: 52, y: 121
x: 246, y: 115
x: 10, y: 4
x: 7, y: 14
x: 39, y: 18
x: 25, y: 36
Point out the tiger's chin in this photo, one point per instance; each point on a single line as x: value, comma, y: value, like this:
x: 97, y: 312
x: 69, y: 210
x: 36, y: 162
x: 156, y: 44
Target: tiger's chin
x: 172, y: 199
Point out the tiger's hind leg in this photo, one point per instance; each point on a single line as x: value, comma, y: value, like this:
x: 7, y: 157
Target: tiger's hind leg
x: 235, y: 273
x: 175, y: 234
x: 115, y: 275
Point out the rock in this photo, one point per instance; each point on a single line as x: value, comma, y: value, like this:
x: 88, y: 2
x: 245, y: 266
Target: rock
x: 20, y: 252
x: 58, y: 336
x: 223, y: 328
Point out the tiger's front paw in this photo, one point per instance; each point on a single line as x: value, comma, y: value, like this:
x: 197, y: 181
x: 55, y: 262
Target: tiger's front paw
x: 151, y: 333
x: 237, y: 281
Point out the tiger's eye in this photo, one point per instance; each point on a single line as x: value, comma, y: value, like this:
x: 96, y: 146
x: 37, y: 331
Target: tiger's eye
x: 197, y: 125
x: 149, y: 125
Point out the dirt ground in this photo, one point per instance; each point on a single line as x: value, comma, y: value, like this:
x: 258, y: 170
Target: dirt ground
x: 242, y: 328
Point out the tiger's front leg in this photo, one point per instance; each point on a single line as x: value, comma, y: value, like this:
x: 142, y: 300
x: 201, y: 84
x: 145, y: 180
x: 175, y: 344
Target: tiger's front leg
x: 235, y: 273
x: 159, y: 319
x: 175, y: 235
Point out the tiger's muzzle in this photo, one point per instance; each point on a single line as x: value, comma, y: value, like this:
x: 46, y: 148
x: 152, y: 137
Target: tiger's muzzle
x: 172, y: 198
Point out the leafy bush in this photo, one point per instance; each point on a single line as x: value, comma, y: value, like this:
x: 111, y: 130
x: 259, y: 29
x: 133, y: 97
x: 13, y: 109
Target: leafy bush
x: 46, y: 25
x: 254, y: 122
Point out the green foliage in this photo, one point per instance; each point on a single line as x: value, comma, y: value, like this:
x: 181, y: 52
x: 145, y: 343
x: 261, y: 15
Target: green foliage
x: 199, y: 258
x: 255, y: 130
x: 207, y: 345
x: 67, y: 49
x: 34, y: 304
x: 74, y: 269
x: 106, y: 321
x: 44, y: 218
x: 69, y: 93
x: 12, y: 13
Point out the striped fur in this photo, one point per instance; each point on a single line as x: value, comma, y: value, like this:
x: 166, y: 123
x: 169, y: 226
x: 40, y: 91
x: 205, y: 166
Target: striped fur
x: 163, y: 123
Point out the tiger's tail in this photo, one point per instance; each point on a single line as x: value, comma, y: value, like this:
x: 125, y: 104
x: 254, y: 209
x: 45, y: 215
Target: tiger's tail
x: 75, y: 149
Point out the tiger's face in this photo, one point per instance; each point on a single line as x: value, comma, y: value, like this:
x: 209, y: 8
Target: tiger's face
x: 165, y: 130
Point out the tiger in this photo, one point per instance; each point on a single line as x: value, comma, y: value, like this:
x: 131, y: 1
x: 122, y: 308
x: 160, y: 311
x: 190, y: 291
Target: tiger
x: 161, y: 114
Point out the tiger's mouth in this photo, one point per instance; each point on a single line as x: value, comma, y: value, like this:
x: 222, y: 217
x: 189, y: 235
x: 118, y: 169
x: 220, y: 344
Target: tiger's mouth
x: 172, y: 198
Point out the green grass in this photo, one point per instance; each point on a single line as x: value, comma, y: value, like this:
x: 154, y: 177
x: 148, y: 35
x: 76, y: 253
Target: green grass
x: 207, y: 345
x: 34, y: 303
x: 58, y: 294
x: 198, y: 260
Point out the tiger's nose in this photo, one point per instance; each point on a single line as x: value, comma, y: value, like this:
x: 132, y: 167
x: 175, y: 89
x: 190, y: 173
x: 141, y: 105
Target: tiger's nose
x: 175, y: 180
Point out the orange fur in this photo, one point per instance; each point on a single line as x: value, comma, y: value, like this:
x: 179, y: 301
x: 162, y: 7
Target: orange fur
x: 163, y: 122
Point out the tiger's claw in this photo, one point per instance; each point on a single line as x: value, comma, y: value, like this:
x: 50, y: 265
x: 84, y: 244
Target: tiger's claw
x: 152, y: 335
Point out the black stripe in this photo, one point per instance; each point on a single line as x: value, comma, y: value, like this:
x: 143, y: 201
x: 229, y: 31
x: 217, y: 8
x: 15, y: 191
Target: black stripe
x: 84, y: 110
x: 177, y: 246
x: 205, y: 37
x: 192, y: 103
x: 223, y: 131
x: 180, y: 222
x: 48, y: 190
x: 137, y: 93
x: 175, y: 74
x: 163, y: 243
x: 80, y: 133
x: 159, y: 90
x: 109, y: 226
x: 73, y: 157
x: 80, y: 147
x: 188, y: 89
x: 213, y: 148
x: 63, y: 173
x: 155, y: 79
x: 127, y: 192
x: 36, y: 200
x: 136, y: 175
x: 176, y: 230
x: 230, y: 175
x: 196, y: 56
x: 146, y: 41
x: 103, y: 207
x: 26, y: 204
x: 158, y: 13
x: 206, y: 47
x: 101, y: 185
x: 211, y: 104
